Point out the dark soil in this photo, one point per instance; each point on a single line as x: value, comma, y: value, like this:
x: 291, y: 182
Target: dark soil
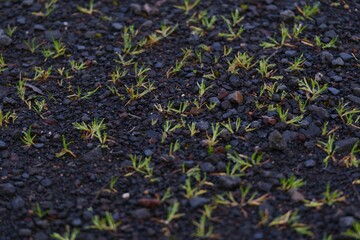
x: 43, y: 193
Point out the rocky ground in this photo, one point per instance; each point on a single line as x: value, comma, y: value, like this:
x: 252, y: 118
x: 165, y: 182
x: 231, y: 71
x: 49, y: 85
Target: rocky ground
x: 177, y: 119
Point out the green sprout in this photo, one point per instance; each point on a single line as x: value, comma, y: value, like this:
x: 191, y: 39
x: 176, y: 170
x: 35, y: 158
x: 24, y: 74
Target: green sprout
x: 69, y: 235
x: 27, y: 138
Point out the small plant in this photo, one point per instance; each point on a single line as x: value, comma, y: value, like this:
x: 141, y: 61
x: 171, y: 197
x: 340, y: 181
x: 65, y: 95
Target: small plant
x: 351, y: 160
x: 65, y: 149
x: 49, y: 8
x: 329, y: 149
x: 353, y: 233
x: 283, y: 115
x: 173, y: 148
x: 244, y: 162
x: 187, y: 5
x: 312, y: 88
x: 40, y: 212
x: 42, y: 74
x: 111, y: 189
x: 10, y: 30
x: 308, y: 11
x: 92, y: 129
x: 229, y: 125
x: 232, y: 33
x: 141, y: 166
x: 190, y: 191
x: 212, y: 141
x: 201, y: 230
x: 202, y: 88
x: 6, y: 117
x: 291, y: 183
x: 192, y: 129
x: 59, y: 48
x: 291, y: 219
x: 31, y: 45
x: 168, y: 128
x: 297, y: 65
x: 297, y: 30
x: 179, y: 64
x: 264, y: 69
x: 27, y: 138
x: 172, y: 213
x: 323, y: 45
x: 77, y: 66
x: 273, y: 42
x: 241, y: 60
x: 2, y: 64
x: 329, y: 198
x: 69, y: 235
x: 350, y: 117
x: 106, y: 223
x: 89, y: 10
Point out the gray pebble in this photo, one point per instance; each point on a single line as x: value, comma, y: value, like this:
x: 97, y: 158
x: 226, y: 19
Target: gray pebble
x: 17, y: 203
x: 330, y: 34
x: 2, y: 145
x: 345, y: 145
x: 354, y: 99
x: 310, y: 163
x: 334, y: 91
x: 346, y: 56
x: 7, y: 189
x: 25, y: 232
x: 276, y: 141
x: 117, y: 26
x: 346, y: 221
x: 326, y: 56
x: 207, y: 167
x: 197, y: 202
x: 141, y: 214
x: 202, y: 125
x: 287, y: 15
x: 338, y: 62
x: 94, y: 154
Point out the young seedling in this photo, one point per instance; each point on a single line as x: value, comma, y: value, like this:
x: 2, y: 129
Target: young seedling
x: 291, y: 183
x: 59, y: 48
x: 2, y: 64
x: 291, y: 219
x: 179, y: 64
x: 353, y: 233
x: 351, y: 160
x: 69, y: 235
x: 92, y: 129
x: 212, y: 141
x: 27, y: 138
x: 42, y: 74
x: 172, y: 213
x: 190, y: 191
x: 329, y: 149
x: 232, y: 33
x: 283, y: 115
x: 6, y: 117
x: 77, y: 66
x: 192, y: 129
x: 141, y: 166
x: 187, y: 5
x: 202, y: 231
x: 229, y: 125
x: 241, y: 60
x: 329, y: 198
x: 31, y: 45
x: 65, y: 149
x: 244, y: 162
x: 173, y: 148
x: 312, y: 88
x: 308, y: 11
x: 49, y: 8
x: 10, y: 30
x: 297, y: 65
x: 297, y: 30
x: 106, y: 223
x: 273, y: 42
x: 89, y: 10
x: 323, y: 45
x: 111, y: 189
x: 350, y: 117
x: 40, y: 212
x: 202, y: 88
x: 168, y: 128
x: 264, y: 69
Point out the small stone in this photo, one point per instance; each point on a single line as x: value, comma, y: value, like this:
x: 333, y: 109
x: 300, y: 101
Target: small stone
x: 354, y: 99
x: 202, y: 125
x: 326, y: 56
x: 76, y: 222
x: 235, y: 81
x: 236, y: 97
x: 346, y: 221
x: 345, y: 145
x: 94, y: 154
x: 148, y: 152
x: 39, y: 27
x: 276, y: 141
x: 28, y: 3
x: 296, y: 196
x: 222, y: 93
x: 229, y: 182
x: 338, y: 62
x: 290, y: 53
x: 226, y: 104
x: 5, y: 40
x: 53, y: 34
x: 310, y: 163
x: 2, y: 145
x: 21, y: 20
x: 346, y: 56
x: 330, y: 34
x: 46, y: 182
x: 197, y: 202
x: 17, y: 203
x: 7, y: 189
x: 265, y: 186
x: 334, y: 91
x: 135, y: 7
x: 117, y: 26
x: 215, y: 100
x: 356, y: 91
x: 320, y: 112
x: 207, y: 167
x: 25, y: 232
x: 287, y: 15
x: 141, y: 214
x: 125, y: 195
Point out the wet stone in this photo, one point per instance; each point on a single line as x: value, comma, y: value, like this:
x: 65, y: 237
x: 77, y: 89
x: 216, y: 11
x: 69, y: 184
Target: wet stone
x: 229, y: 182
x: 346, y: 56
x: 330, y: 34
x: 25, y: 232
x: 117, y: 26
x: 236, y: 97
x: 319, y: 111
x: 290, y: 53
x: 276, y: 141
x: 197, y: 202
x: 202, y: 125
x: 346, y: 221
x: 2, y: 145
x: 345, y: 145
x: 207, y: 167
x: 17, y: 203
x: 310, y: 163
x: 76, y: 222
x: 46, y: 182
x: 94, y: 154
x: 7, y: 189
x: 326, y: 56
x: 354, y: 99
x: 337, y: 62
x: 53, y: 34
x: 5, y: 40
x: 141, y: 214
x: 334, y: 91
x: 287, y: 15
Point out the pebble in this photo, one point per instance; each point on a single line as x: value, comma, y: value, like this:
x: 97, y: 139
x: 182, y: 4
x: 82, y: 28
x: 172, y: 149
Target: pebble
x: 356, y: 91
x: 202, y: 125
x: 17, y: 203
x: 226, y: 104
x: 94, y: 154
x: 326, y: 56
x: 330, y: 34
x: 76, y: 222
x: 229, y: 182
x: 346, y: 56
x: 296, y: 196
x: 215, y: 100
x: 197, y: 202
x: 338, y: 62
x: 207, y: 167
x: 265, y: 186
x: 236, y: 97
x: 354, y: 99
x: 334, y: 91
x: 310, y: 163
x: 39, y: 27
x: 148, y: 152
x: 28, y: 3
x: 50, y: 34
x: 25, y: 232
x: 235, y: 81
x: 7, y: 189
x: 46, y: 182
x: 287, y: 15
x: 345, y: 145
x: 4, y: 39
x: 290, y: 53
x: 21, y: 20
x: 141, y: 214
x: 276, y: 141
x: 117, y: 26
x: 346, y: 221
x: 2, y: 145
x: 320, y: 112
